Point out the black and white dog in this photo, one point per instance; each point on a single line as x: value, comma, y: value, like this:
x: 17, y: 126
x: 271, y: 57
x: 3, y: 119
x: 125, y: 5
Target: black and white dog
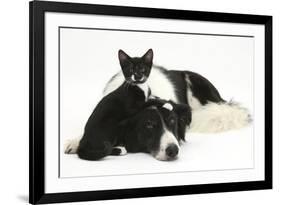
x: 156, y: 129
x: 126, y: 120
x: 210, y: 112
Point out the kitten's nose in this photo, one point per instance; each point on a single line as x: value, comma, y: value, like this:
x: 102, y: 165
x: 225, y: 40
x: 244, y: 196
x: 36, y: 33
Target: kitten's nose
x: 172, y: 151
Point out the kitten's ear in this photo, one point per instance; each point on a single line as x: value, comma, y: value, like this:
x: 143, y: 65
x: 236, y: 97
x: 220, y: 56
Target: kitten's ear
x: 148, y: 57
x: 123, y: 57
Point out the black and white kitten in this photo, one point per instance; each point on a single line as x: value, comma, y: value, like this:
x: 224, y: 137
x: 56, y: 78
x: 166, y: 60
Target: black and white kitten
x: 103, y: 128
x: 136, y: 70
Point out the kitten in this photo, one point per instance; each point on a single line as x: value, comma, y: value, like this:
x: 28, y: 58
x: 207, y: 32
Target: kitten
x: 104, y: 127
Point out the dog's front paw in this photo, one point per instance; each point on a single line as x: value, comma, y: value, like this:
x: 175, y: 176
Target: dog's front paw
x: 71, y: 146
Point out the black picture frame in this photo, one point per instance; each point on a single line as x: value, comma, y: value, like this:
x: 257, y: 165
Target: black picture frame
x: 37, y: 192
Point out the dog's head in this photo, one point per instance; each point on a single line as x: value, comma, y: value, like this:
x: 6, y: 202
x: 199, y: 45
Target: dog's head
x: 136, y: 70
x: 155, y: 130
x: 182, y: 113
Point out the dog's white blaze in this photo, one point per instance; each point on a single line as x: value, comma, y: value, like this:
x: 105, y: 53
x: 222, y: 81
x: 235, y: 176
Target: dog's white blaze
x: 166, y: 139
x: 168, y: 106
x: 71, y: 145
x: 214, y: 117
x: 123, y: 150
x: 157, y: 81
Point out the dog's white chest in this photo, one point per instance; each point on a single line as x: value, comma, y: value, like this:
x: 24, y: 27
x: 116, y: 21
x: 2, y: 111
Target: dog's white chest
x: 161, y: 86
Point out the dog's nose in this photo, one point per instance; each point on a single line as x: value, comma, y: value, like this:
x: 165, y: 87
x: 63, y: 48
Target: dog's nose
x: 172, y: 151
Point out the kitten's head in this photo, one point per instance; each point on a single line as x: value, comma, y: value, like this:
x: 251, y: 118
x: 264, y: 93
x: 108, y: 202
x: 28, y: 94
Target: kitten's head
x: 136, y: 70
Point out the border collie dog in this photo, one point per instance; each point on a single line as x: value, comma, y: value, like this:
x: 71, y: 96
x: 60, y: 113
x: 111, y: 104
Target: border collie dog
x: 156, y: 129
x: 126, y: 120
x: 210, y: 112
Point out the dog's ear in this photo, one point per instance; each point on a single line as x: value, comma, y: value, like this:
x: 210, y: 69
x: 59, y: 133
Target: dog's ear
x: 183, y: 110
x: 123, y: 57
x: 148, y: 57
x: 184, y: 117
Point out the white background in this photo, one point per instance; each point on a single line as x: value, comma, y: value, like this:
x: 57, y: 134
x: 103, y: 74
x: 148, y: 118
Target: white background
x: 14, y: 101
x: 88, y: 60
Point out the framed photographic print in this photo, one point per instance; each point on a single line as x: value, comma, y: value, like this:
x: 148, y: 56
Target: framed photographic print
x: 140, y: 102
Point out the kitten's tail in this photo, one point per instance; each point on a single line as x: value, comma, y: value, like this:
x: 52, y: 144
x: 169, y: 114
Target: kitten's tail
x: 218, y: 117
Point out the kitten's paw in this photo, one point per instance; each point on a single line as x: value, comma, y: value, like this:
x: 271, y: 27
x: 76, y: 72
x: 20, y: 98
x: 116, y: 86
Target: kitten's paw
x: 123, y: 150
x: 71, y: 146
x: 119, y: 150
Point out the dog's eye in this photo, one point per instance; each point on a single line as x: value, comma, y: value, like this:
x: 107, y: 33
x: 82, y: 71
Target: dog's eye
x: 172, y: 121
